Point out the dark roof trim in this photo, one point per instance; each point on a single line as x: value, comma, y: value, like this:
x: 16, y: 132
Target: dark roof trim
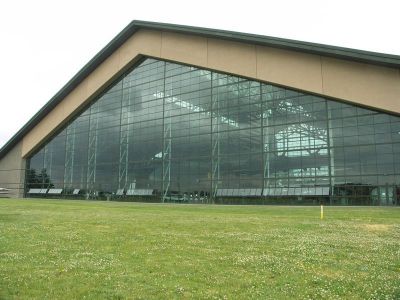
x: 387, y: 60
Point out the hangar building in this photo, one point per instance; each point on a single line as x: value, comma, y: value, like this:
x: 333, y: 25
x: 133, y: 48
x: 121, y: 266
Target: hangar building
x: 184, y: 114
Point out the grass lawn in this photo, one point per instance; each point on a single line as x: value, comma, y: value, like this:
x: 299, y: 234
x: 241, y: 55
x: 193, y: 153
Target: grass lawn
x: 60, y: 249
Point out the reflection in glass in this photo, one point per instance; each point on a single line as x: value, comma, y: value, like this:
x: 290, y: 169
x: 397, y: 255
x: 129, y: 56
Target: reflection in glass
x: 169, y: 132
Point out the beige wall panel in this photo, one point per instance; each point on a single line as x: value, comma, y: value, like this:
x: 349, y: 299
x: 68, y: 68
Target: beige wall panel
x: 146, y: 42
x: 360, y: 83
x: 107, y: 70
x: 369, y: 85
x: 43, y: 129
x: 232, y: 57
x: 184, y: 48
x: 74, y: 99
x: 289, y: 68
x: 12, y: 173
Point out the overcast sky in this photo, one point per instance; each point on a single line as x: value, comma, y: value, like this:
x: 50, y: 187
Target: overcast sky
x: 45, y: 43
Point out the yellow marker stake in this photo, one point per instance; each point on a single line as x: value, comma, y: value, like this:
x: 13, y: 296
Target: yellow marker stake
x: 322, y: 211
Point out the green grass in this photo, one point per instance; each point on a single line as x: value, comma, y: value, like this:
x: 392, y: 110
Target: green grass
x: 60, y: 249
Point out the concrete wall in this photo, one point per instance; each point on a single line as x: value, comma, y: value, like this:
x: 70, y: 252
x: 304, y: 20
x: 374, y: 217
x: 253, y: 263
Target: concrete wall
x: 359, y: 83
x: 12, y: 172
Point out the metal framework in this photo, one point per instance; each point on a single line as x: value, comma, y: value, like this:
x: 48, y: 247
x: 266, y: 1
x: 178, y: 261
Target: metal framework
x: 215, y: 144
x: 92, y: 147
x: 48, y: 159
x: 69, y: 155
x: 167, y: 144
x: 278, y: 139
x: 330, y: 153
x: 124, y: 138
x: 167, y: 148
x: 266, y: 148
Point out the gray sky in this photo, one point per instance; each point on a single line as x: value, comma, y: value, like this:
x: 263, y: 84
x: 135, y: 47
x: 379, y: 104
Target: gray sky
x: 45, y: 43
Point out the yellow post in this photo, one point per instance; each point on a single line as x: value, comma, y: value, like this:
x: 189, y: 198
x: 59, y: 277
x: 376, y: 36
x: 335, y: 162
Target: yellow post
x: 322, y: 211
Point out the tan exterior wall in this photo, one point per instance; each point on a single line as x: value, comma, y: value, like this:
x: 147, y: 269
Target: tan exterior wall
x: 178, y: 47
x: 232, y: 57
x: 12, y: 172
x: 369, y: 85
x: 359, y: 83
x: 304, y: 69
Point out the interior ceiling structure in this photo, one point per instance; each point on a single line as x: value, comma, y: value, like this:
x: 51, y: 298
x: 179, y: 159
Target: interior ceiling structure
x: 176, y: 130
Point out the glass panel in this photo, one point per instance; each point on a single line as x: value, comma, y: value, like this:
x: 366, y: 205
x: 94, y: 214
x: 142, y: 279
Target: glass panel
x: 170, y: 132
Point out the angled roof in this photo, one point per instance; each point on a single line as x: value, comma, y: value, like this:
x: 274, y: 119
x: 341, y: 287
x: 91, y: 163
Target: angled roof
x: 374, y: 58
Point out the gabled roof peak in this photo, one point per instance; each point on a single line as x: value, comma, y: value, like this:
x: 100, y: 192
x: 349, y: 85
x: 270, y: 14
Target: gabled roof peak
x: 386, y: 60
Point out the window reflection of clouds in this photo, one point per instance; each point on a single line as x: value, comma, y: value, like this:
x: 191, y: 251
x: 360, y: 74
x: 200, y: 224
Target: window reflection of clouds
x: 260, y: 136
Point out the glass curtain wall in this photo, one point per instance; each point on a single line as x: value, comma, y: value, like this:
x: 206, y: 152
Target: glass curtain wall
x: 171, y: 132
